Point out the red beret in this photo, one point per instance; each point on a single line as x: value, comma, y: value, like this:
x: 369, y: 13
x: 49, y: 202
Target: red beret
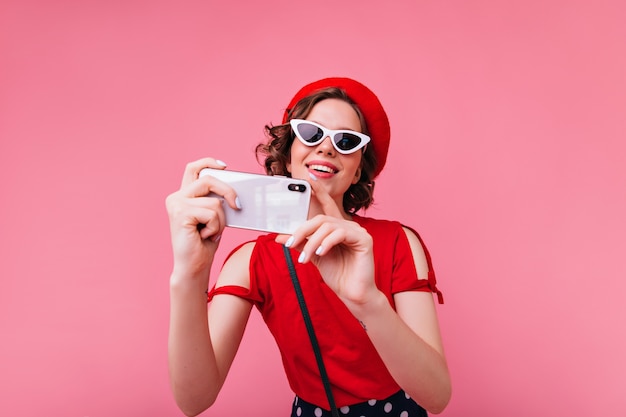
x: 374, y: 113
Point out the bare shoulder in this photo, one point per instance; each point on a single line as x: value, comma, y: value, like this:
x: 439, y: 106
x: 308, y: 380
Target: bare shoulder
x: 417, y: 308
x: 236, y: 268
x: 419, y: 256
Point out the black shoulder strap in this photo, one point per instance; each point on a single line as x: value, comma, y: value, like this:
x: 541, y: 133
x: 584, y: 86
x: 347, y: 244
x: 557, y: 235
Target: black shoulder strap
x: 309, y: 328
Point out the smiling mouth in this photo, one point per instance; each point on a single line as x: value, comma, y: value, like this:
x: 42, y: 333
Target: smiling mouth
x: 322, y: 168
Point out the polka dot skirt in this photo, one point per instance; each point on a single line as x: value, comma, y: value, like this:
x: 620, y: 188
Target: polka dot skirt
x: 398, y: 405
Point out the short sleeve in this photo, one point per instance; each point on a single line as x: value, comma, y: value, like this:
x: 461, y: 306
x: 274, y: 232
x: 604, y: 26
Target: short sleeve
x: 251, y: 294
x: 404, y: 255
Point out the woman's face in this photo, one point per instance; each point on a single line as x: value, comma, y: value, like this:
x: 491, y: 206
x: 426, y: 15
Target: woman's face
x: 332, y: 169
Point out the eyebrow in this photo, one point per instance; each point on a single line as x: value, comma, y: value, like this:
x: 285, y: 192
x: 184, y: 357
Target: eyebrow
x: 341, y: 128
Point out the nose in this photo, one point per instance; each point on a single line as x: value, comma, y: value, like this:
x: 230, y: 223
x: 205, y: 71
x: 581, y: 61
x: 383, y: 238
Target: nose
x: 326, y: 146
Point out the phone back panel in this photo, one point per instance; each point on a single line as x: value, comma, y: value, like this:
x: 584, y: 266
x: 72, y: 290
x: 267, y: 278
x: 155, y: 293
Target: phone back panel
x: 268, y: 203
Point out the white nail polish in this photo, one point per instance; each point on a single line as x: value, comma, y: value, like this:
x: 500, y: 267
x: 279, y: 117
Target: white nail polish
x: 220, y: 163
x: 319, y: 250
x: 313, y: 177
x: 238, y: 203
x: 289, y: 242
x: 302, y: 257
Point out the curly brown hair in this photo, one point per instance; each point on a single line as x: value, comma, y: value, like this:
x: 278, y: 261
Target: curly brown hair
x: 277, y: 149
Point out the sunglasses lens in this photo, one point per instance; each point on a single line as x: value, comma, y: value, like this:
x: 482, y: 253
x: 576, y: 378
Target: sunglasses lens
x: 312, y: 134
x: 309, y: 133
x: 347, y: 141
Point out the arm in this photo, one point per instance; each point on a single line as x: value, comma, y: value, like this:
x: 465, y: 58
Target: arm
x: 200, y: 350
x: 203, y: 344
x: 409, y: 341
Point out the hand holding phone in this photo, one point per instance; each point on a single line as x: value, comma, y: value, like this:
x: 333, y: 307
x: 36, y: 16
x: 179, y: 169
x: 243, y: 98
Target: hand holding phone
x: 268, y: 203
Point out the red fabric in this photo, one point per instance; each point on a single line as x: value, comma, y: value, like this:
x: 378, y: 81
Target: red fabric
x: 373, y: 111
x: 355, y: 369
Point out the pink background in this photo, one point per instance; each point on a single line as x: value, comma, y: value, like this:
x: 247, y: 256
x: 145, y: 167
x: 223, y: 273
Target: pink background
x: 507, y: 154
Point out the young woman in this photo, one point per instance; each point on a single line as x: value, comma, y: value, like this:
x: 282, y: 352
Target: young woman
x: 368, y: 283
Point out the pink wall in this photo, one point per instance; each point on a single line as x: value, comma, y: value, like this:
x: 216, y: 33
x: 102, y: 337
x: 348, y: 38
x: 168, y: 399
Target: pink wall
x: 507, y: 154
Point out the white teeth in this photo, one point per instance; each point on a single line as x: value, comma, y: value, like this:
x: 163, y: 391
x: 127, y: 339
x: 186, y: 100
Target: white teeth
x: 322, y: 168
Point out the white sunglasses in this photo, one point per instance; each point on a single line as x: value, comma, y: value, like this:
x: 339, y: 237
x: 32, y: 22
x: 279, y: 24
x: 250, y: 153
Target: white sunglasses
x: 344, y: 141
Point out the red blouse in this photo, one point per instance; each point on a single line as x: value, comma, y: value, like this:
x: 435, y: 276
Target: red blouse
x: 356, y: 371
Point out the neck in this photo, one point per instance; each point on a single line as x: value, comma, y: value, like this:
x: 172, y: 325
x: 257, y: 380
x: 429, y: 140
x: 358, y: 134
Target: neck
x: 316, y: 208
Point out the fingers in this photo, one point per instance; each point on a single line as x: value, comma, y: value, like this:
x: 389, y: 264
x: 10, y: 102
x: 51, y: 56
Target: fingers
x: 209, y: 223
x: 324, y: 233
x: 192, y: 170
x: 195, y: 186
x: 204, y: 214
x: 321, y: 242
x: 329, y: 206
x: 208, y: 185
x: 207, y: 215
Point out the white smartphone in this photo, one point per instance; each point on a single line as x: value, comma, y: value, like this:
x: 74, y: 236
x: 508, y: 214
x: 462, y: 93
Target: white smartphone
x: 268, y: 203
